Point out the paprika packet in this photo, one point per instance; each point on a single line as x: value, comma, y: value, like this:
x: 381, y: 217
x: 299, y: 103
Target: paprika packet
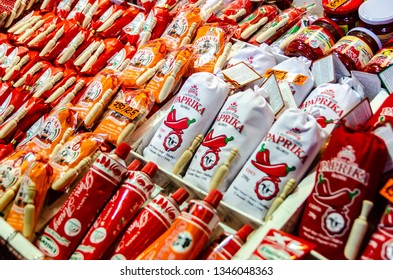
x: 236, y: 10
x: 155, y: 24
x: 347, y: 174
x: 64, y: 7
x: 127, y: 111
x: 381, y: 243
x: 143, y: 63
x: 130, y: 33
x: 194, y: 109
x: 287, y: 151
x: 209, y: 44
x: 73, y: 157
x: 239, y: 127
x: 121, y: 59
x: 170, y: 73
x: 31, y: 196
x: 279, y: 245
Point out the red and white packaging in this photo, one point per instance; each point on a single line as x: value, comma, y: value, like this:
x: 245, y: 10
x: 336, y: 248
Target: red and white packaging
x: 122, y: 207
x: 149, y: 225
x: 192, y: 113
x: 332, y: 102
x: 287, y: 151
x: 131, y: 32
x: 67, y: 228
x: 242, y: 123
x: 279, y: 245
x: 380, y: 246
x: 347, y: 174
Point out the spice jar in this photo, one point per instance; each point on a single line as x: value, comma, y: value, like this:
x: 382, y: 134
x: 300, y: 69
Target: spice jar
x: 316, y: 40
x: 377, y: 16
x: 381, y: 60
x: 357, y: 48
x: 345, y: 15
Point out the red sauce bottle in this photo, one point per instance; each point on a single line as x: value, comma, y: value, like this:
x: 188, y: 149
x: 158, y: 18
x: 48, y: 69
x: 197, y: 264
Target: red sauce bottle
x: 381, y: 60
x: 315, y: 40
x: 357, y: 48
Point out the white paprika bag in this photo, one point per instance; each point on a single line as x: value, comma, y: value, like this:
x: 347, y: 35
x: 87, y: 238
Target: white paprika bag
x: 331, y: 102
x: 241, y: 124
x: 192, y: 113
x: 286, y: 152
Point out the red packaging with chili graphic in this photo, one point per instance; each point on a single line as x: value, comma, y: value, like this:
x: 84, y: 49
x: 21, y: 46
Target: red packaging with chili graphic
x: 130, y: 33
x: 347, y: 174
x: 150, y: 224
x: 67, y: 228
x: 119, y: 211
x: 380, y: 246
x: 279, y: 245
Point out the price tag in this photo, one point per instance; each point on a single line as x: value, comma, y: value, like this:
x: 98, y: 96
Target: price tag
x: 124, y: 109
x: 240, y: 75
x: 387, y: 190
x: 334, y: 4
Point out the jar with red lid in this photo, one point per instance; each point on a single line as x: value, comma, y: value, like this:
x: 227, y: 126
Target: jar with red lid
x: 345, y: 15
x: 357, y: 48
x: 316, y: 40
x: 381, y: 60
x: 377, y: 16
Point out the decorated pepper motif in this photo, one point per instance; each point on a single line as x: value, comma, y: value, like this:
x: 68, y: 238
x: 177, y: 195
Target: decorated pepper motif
x: 323, y: 121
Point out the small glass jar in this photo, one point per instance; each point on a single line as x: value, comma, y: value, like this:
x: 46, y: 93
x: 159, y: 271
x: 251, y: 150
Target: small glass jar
x: 377, y: 16
x: 346, y: 16
x: 381, y: 60
x: 357, y: 48
x: 316, y: 40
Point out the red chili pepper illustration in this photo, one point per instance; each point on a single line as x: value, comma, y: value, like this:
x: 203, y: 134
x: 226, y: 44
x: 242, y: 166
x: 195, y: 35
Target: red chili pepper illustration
x: 217, y: 142
x: 387, y: 220
x: 322, y: 187
x: 323, y: 122
x: 337, y: 199
x: 209, y: 136
x: 263, y: 155
x: 275, y: 170
x: 172, y: 115
x: 181, y: 124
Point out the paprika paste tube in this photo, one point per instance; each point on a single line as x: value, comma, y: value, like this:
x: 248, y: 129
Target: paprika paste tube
x: 347, y: 174
x: 279, y: 245
x: 242, y: 123
x: 144, y: 64
x: 332, y: 102
x: 67, y: 228
x: 380, y: 244
x: 287, y: 151
x: 182, y: 29
x: 124, y: 204
x: 96, y: 97
x: 170, y: 73
x: 151, y: 222
x: 73, y: 157
x: 192, y: 113
x: 189, y: 233
x: 31, y: 196
x: 127, y: 111
x: 209, y: 44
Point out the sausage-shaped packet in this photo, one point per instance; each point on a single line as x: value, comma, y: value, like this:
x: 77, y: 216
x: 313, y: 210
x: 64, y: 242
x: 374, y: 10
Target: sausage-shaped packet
x: 236, y: 10
x: 127, y: 111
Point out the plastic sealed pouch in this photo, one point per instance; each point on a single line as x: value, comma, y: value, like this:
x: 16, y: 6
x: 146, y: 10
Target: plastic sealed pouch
x: 29, y: 201
x: 29, y: 19
x: 103, y: 6
x: 278, y: 26
x: 96, y: 97
x: 69, y: 92
x: 128, y: 109
x: 78, y: 13
x: 121, y: 59
x: 144, y: 64
x: 48, y: 80
x: 130, y: 33
x: 170, y: 73
x: 19, y: 69
x: 240, y: 126
x: 56, y: 86
x: 64, y: 7
x: 6, y: 150
x: 112, y: 12
x: 192, y: 113
x: 286, y: 152
x: 273, y: 247
x: 236, y: 10
x: 12, y: 59
x: 73, y: 158
x: 155, y: 24
x: 347, y: 176
x: 182, y: 29
x: 209, y: 44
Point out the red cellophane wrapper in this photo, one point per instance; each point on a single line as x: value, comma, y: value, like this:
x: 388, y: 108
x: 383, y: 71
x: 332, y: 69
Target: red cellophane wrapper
x: 13, y: 56
x: 237, y: 10
x: 383, y: 115
x: 33, y: 59
x: 121, y: 58
x: 130, y: 33
x: 103, y: 6
x: 74, y: 92
x: 163, y: 18
x: 63, y: 8
x: 347, y: 174
x: 77, y: 15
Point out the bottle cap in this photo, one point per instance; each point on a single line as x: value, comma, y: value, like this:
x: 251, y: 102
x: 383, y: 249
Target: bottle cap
x: 214, y: 198
x: 123, y: 150
x: 150, y: 168
x: 135, y: 165
x: 180, y: 196
x: 244, y: 231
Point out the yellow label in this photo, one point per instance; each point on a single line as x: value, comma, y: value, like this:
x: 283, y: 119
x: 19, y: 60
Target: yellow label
x: 124, y: 109
x: 387, y: 190
x: 280, y: 75
x: 299, y: 80
x: 334, y: 4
